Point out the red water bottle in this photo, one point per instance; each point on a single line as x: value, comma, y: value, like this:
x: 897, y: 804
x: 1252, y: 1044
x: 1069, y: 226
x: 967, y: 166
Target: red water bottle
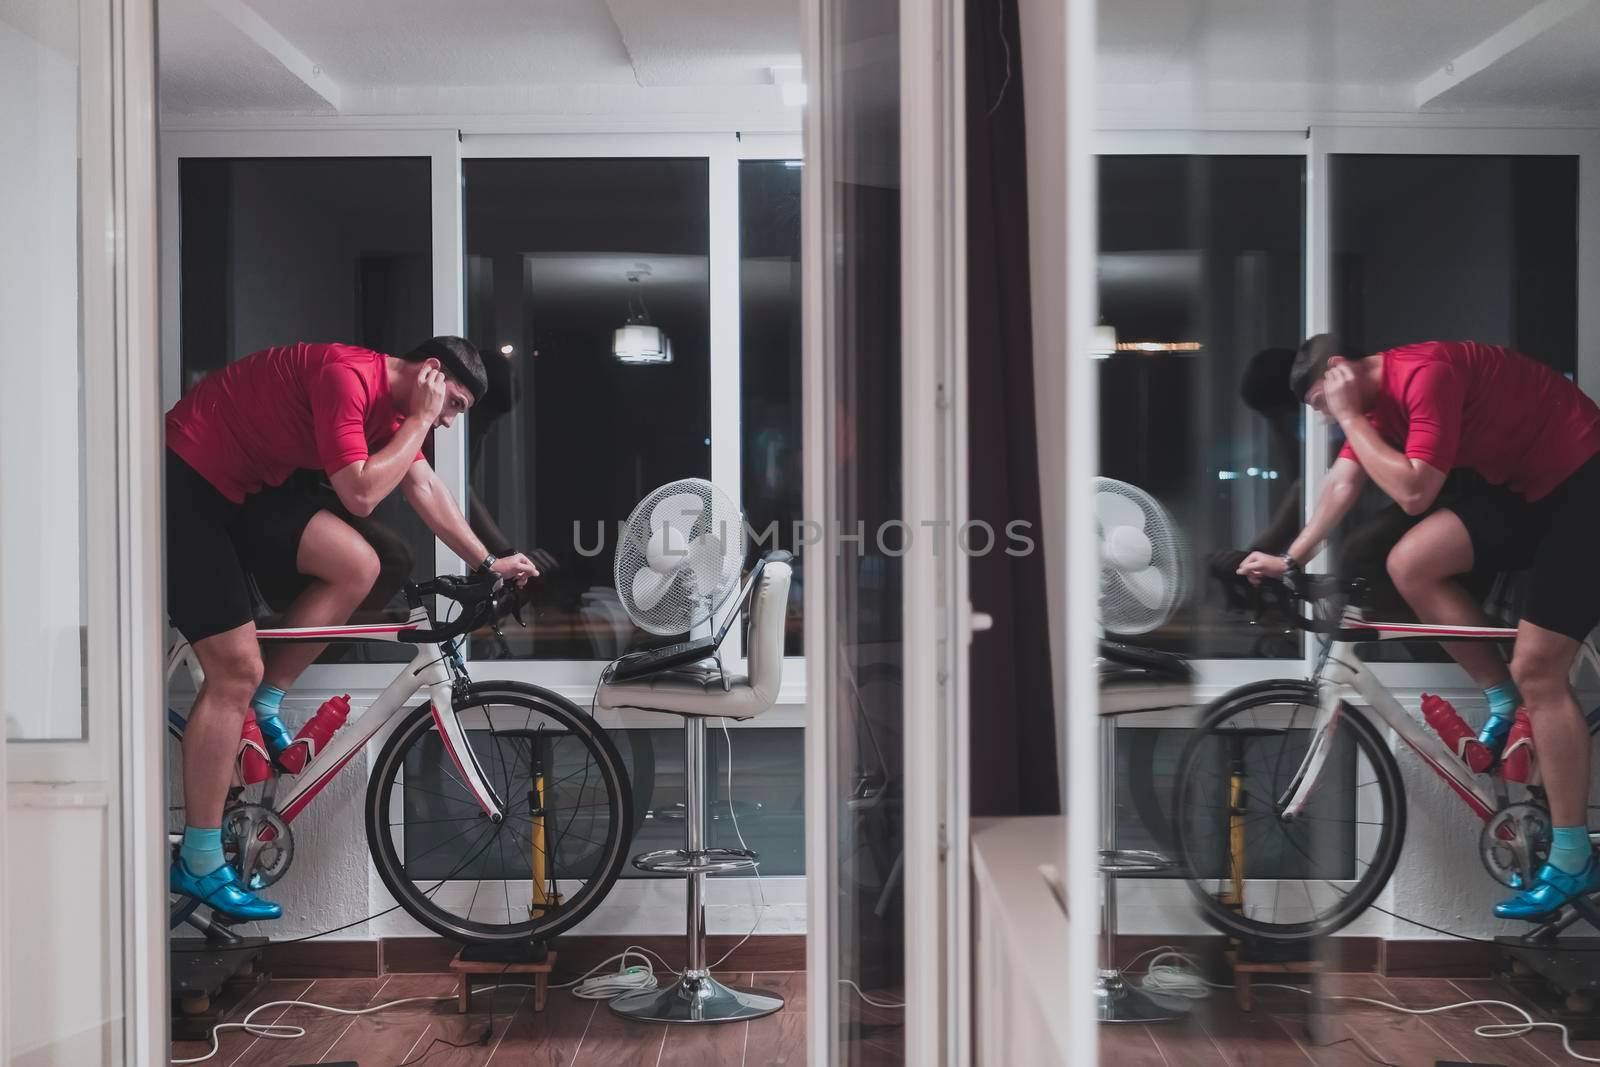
x: 314, y: 734
x: 1517, y: 762
x: 254, y: 763
x: 1455, y: 733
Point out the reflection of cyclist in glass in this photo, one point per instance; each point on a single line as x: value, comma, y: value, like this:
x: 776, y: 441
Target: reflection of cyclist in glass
x: 361, y: 417
x: 1411, y: 414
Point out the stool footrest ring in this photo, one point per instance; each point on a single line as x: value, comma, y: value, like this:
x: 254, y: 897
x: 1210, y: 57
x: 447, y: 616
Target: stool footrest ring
x: 1134, y: 861
x: 705, y: 861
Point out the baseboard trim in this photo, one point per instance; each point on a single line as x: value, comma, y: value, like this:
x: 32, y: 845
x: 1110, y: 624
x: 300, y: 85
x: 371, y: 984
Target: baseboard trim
x: 412, y: 955
x: 1440, y: 958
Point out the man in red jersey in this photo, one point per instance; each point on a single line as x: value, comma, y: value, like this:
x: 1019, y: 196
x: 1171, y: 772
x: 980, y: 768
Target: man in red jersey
x: 361, y: 417
x: 1411, y: 414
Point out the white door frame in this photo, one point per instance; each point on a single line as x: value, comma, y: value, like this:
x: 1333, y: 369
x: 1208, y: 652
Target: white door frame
x: 936, y: 624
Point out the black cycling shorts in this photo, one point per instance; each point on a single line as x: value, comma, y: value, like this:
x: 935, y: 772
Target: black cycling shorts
x: 1553, y: 538
x: 215, y: 545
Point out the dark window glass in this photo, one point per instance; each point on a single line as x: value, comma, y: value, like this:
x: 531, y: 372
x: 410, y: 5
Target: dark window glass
x: 1201, y: 263
x: 560, y: 253
x: 769, y: 360
x: 768, y: 799
x: 276, y: 251
x: 1480, y: 248
x: 1147, y: 770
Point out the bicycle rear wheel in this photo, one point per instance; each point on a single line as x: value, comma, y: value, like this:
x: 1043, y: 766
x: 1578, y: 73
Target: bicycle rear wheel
x: 547, y: 864
x: 1256, y: 874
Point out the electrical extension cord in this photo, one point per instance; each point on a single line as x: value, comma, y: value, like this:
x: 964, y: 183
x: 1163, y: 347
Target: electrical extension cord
x: 285, y: 1032
x: 1183, y: 979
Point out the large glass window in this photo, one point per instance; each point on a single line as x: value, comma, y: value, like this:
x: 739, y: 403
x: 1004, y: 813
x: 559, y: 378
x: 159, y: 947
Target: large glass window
x: 277, y: 251
x: 44, y: 577
x: 864, y: 419
x: 562, y: 253
x: 1201, y: 292
x: 1480, y: 248
x: 769, y: 360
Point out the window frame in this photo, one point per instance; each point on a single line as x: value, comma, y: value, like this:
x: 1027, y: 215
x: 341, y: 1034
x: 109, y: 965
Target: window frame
x: 1157, y: 900
x: 105, y: 353
x: 447, y: 148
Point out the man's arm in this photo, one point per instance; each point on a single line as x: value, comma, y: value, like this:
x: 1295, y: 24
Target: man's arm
x: 1411, y: 483
x: 364, y: 483
x: 1412, y: 477
x: 431, y: 500
x: 1339, y: 494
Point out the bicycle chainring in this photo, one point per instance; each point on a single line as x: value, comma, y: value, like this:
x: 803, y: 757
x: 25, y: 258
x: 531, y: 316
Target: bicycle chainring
x: 261, y: 843
x: 1514, y: 842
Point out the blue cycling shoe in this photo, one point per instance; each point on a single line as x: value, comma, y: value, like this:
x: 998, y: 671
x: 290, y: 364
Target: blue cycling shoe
x: 220, y: 891
x: 278, y: 738
x: 1552, y: 888
x: 1494, y: 733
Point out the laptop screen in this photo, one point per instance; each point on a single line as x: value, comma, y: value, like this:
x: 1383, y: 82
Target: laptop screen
x: 744, y: 594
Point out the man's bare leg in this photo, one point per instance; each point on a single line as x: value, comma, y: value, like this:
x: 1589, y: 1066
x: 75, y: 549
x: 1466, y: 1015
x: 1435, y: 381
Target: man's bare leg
x: 343, y: 568
x: 1424, y: 565
x: 1541, y: 665
x: 232, y: 664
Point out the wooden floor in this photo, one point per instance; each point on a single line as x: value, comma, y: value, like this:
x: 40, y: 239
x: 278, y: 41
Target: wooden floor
x: 1280, y: 1032
x: 568, y: 1033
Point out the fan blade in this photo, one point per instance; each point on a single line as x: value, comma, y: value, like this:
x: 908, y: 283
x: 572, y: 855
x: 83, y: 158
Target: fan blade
x: 678, y: 510
x: 1149, y: 587
x: 1114, y: 509
x: 1126, y: 548
x: 649, y: 587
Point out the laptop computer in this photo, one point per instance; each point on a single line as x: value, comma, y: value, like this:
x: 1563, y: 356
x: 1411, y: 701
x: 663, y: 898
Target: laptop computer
x: 651, y: 660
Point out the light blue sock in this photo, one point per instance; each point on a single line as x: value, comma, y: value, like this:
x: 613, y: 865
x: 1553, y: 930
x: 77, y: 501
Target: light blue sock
x: 202, y: 849
x: 1504, y: 700
x: 267, y: 701
x: 1569, y: 848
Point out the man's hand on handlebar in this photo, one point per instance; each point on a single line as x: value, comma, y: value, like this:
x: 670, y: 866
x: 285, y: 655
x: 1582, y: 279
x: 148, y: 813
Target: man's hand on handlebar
x: 516, y: 568
x: 1260, y: 565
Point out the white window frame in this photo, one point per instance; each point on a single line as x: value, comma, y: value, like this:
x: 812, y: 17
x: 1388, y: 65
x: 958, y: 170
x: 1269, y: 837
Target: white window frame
x: 1143, y: 897
x: 92, y: 757
x: 574, y: 679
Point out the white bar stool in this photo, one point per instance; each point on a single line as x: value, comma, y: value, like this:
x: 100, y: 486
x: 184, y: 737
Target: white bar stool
x: 699, y: 692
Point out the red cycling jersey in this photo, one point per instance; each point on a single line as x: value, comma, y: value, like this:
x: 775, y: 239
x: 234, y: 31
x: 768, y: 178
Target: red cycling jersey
x: 1491, y: 409
x: 311, y: 406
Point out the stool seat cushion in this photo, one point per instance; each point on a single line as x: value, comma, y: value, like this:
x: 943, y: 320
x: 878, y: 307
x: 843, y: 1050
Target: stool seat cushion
x: 695, y: 689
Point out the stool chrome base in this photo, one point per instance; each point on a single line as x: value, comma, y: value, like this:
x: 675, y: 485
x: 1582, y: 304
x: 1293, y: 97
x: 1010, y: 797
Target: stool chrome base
x: 1118, y: 1002
x: 696, y: 998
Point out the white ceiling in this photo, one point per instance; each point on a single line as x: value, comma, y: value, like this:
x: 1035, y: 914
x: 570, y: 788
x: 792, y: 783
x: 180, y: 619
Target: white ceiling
x: 377, y: 57
x: 472, y: 56
x: 1361, y: 55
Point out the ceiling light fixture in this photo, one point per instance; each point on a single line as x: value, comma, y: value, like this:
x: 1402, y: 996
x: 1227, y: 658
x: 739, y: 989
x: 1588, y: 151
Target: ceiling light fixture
x: 506, y: 350
x: 637, y: 342
x: 1158, y: 346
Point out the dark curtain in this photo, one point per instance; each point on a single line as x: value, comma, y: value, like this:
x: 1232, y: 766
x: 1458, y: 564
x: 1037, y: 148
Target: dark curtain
x: 1013, y: 719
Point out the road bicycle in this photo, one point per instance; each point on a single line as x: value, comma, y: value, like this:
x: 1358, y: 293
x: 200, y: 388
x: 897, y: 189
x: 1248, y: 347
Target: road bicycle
x: 1288, y: 809
x: 495, y: 811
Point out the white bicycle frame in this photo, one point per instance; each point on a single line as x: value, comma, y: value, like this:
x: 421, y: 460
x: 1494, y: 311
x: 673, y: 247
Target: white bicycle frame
x: 426, y: 671
x: 1346, y: 676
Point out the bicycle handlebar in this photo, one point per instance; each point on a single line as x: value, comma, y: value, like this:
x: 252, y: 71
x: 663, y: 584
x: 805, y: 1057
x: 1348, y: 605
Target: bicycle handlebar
x: 484, y: 598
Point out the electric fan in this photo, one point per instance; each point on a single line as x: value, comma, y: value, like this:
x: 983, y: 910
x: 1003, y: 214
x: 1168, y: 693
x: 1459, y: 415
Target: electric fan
x: 679, y: 556
x: 1142, y: 577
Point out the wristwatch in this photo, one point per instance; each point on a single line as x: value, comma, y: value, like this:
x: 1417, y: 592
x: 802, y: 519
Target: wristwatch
x: 487, y: 565
x: 1289, y: 562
